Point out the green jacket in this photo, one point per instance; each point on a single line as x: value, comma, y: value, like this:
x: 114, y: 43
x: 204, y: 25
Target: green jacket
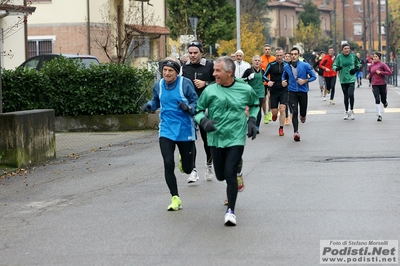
x: 347, y: 62
x: 227, y: 106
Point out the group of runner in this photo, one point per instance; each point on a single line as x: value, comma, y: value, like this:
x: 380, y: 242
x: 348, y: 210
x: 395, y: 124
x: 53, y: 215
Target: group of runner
x: 227, y: 97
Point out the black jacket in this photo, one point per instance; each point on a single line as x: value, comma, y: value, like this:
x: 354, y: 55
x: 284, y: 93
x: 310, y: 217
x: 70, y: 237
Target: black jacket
x: 203, y: 71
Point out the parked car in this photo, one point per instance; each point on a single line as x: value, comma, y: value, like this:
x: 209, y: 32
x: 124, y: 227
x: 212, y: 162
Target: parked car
x: 38, y: 61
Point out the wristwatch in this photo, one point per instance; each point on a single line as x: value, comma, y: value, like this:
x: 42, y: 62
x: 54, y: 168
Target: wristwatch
x: 207, y: 83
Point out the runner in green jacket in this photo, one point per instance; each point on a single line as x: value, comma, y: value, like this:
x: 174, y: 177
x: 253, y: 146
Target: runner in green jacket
x: 347, y: 65
x: 225, y: 123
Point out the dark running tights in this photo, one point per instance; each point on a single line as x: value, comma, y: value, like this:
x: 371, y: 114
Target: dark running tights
x: 186, y: 150
x: 380, y: 93
x: 258, y: 121
x: 227, y: 164
x: 297, y: 99
x: 348, y: 92
x: 330, y: 83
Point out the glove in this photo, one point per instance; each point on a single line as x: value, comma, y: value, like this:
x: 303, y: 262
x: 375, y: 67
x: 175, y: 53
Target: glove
x: 339, y: 68
x: 251, y: 128
x: 184, y: 107
x: 353, y: 71
x: 251, y: 76
x: 208, y: 124
x: 146, y: 107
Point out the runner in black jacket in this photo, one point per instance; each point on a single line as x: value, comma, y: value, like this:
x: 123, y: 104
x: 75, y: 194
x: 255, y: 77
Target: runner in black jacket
x: 200, y: 72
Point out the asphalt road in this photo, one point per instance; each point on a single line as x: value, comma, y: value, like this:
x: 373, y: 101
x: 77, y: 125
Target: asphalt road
x: 107, y: 206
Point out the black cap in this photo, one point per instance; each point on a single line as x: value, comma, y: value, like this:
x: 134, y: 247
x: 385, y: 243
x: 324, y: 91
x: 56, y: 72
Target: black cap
x: 197, y: 44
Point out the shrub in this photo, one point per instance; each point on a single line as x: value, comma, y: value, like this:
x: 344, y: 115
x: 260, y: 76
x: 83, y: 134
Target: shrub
x: 73, y: 90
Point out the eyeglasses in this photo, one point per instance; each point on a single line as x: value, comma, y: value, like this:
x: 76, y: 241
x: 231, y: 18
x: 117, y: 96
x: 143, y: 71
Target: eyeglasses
x: 194, y: 43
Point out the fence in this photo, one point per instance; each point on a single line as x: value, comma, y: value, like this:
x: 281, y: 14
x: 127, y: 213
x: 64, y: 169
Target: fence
x: 392, y: 80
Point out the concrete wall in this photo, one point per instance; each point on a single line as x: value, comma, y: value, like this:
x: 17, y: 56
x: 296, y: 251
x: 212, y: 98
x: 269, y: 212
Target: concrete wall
x: 93, y: 123
x: 27, y: 137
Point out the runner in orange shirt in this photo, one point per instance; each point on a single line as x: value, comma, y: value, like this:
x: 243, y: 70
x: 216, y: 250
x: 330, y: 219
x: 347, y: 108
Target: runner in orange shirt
x: 266, y: 58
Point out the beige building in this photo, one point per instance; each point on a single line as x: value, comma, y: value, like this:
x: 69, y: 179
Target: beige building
x: 73, y: 27
x: 284, y: 15
x: 13, y: 32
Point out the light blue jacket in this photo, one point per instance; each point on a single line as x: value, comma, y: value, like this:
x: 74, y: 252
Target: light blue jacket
x: 304, y: 71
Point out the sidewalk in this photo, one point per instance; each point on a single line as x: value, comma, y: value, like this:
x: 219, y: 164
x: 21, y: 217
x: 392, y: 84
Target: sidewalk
x: 79, y: 142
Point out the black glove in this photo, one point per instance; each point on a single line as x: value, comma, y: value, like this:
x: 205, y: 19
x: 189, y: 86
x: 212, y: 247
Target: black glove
x: 251, y: 128
x: 208, y: 124
x: 146, y: 107
x: 338, y: 68
x: 184, y: 107
x: 353, y: 71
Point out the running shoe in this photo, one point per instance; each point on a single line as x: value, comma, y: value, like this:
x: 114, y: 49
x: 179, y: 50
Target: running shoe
x: 230, y: 218
x: 287, y: 121
x: 302, y: 119
x: 240, y: 183
x: 386, y: 104
x: 274, y: 117
x: 351, y: 115
x: 281, y: 133
x: 193, y: 177
x: 266, y: 120
x: 209, y: 175
x: 346, y: 115
x: 324, y: 99
x: 176, y: 204
x: 379, y: 118
x: 180, y: 163
x: 226, y: 201
x: 296, y: 136
x: 331, y: 102
x: 269, y: 116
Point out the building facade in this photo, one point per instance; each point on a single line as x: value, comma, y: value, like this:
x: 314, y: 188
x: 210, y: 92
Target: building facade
x: 74, y: 27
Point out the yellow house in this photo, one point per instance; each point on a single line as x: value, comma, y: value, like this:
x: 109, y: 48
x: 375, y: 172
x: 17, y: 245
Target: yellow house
x: 100, y: 28
x: 13, y: 15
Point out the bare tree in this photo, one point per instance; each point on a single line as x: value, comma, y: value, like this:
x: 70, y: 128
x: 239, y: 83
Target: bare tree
x: 122, y: 30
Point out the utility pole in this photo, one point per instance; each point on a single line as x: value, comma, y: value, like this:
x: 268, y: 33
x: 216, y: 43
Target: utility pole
x: 364, y: 34
x: 387, y: 34
x: 344, y: 26
x: 334, y: 30
x: 379, y: 28
x: 238, y: 24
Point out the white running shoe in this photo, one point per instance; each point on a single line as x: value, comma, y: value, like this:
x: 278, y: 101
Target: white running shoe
x: 230, y: 218
x: 351, y: 115
x: 346, y: 115
x: 193, y: 177
x: 209, y: 175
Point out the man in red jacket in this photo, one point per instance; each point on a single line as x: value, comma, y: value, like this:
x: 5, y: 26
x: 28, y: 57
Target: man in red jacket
x: 329, y: 74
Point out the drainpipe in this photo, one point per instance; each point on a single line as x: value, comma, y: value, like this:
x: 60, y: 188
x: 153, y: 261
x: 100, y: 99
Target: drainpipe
x: 26, y: 32
x: 87, y: 26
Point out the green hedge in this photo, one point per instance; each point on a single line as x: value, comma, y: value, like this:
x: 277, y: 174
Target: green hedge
x: 72, y: 90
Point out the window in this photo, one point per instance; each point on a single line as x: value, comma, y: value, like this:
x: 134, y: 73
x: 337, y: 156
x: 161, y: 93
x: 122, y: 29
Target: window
x: 40, y: 45
x: 285, y: 22
x: 357, y: 29
x: 323, y: 23
x: 292, y: 25
x: 357, y: 6
x: 141, y: 46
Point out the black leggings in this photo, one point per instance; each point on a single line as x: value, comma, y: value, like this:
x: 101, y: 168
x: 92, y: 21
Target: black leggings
x: 186, y: 150
x: 380, y: 93
x: 205, y: 145
x: 348, y: 92
x: 297, y: 99
x: 330, y: 83
x: 258, y: 121
x: 227, y: 164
